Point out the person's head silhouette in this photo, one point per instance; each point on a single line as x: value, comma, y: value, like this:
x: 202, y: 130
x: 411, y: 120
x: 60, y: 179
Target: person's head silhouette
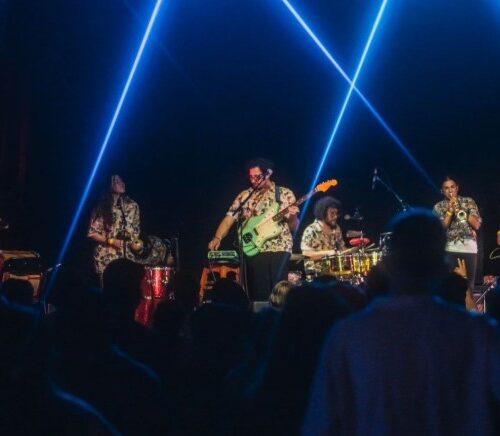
x: 416, y: 258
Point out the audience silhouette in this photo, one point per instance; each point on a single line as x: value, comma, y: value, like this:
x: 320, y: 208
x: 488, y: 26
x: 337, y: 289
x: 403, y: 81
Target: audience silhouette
x: 400, y: 355
x: 409, y: 363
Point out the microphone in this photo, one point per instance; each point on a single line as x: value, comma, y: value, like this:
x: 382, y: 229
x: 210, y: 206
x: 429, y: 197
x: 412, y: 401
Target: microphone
x: 375, y: 178
x: 265, y: 175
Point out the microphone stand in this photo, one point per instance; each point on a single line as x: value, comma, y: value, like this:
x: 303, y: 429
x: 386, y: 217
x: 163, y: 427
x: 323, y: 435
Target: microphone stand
x: 177, y: 253
x: 358, y: 218
x: 123, y: 225
x: 239, y: 230
x: 403, y: 205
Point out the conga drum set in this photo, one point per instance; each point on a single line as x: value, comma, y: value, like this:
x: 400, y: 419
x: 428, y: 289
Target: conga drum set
x: 352, y: 264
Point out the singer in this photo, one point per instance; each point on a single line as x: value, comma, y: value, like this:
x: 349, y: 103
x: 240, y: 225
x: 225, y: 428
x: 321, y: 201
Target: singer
x: 115, y: 220
x: 323, y: 237
x: 270, y: 265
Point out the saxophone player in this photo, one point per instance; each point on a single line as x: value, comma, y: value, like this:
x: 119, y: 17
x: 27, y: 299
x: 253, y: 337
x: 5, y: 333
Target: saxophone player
x: 461, y: 219
x: 115, y: 220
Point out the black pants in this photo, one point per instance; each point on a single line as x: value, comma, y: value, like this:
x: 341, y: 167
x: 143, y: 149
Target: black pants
x: 265, y: 270
x: 470, y: 264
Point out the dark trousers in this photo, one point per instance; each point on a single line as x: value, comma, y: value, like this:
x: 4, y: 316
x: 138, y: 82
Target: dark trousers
x: 265, y: 270
x: 470, y: 264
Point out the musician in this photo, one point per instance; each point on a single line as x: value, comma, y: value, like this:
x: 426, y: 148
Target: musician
x: 461, y: 219
x: 323, y: 236
x: 114, y: 222
x: 269, y: 266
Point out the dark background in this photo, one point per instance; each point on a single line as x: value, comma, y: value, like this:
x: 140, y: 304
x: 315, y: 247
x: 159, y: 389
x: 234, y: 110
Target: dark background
x: 223, y: 81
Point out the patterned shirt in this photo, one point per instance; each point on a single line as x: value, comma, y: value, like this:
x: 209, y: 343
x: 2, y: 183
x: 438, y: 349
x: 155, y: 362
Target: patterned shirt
x: 258, y: 204
x: 126, y: 221
x: 314, y: 239
x: 458, y: 232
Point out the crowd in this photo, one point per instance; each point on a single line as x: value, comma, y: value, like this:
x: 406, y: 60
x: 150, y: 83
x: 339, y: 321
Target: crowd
x: 398, y: 356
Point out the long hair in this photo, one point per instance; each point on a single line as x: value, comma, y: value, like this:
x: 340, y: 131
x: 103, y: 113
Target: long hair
x: 104, y: 209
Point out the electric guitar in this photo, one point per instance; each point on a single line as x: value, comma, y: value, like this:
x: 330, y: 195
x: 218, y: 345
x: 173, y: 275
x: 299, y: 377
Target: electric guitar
x: 259, y: 229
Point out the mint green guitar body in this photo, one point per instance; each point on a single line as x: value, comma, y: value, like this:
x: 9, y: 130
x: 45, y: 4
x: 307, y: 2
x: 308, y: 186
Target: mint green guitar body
x: 260, y: 229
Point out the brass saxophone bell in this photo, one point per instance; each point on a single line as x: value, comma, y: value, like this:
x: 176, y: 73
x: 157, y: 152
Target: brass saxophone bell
x: 459, y: 213
x: 137, y: 245
x: 462, y: 215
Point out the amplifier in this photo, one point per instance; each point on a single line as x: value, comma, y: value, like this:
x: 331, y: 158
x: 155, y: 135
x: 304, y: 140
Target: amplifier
x: 22, y: 265
x: 20, y: 262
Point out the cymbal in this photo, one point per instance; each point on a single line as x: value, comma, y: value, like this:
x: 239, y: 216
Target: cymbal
x: 354, y: 234
x: 355, y: 242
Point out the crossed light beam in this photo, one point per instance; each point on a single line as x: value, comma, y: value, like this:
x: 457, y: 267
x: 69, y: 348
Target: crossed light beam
x: 90, y: 181
x: 347, y: 98
x: 352, y: 87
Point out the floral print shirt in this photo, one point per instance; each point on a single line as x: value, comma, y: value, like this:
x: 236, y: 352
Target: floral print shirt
x: 258, y: 204
x: 314, y: 239
x: 458, y: 231
x: 126, y: 219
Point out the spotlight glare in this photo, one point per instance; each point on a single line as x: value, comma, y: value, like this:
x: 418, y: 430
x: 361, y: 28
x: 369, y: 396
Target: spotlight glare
x: 74, y: 222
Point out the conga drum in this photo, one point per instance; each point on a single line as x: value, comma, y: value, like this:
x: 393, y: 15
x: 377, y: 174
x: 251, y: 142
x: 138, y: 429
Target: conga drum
x: 155, y: 281
x: 154, y: 290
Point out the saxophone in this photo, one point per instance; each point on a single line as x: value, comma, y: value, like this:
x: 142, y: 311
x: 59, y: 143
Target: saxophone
x: 133, y: 242
x: 136, y: 244
x: 460, y: 213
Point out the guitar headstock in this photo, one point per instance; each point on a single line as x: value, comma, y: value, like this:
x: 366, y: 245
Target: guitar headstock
x: 326, y: 185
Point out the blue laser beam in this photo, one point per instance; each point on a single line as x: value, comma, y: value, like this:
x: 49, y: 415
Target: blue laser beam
x: 346, y: 101
x: 344, y: 105
x: 158, y: 42
x: 88, y: 186
x: 349, y: 94
x: 352, y: 84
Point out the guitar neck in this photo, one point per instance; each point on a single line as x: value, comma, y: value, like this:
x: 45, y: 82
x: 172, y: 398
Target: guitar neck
x: 282, y: 213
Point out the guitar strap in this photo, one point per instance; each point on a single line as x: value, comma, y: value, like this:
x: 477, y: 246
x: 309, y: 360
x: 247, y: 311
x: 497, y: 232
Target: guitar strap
x: 277, y: 195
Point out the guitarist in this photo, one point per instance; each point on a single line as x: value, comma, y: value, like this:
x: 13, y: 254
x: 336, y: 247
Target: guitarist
x: 270, y: 265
